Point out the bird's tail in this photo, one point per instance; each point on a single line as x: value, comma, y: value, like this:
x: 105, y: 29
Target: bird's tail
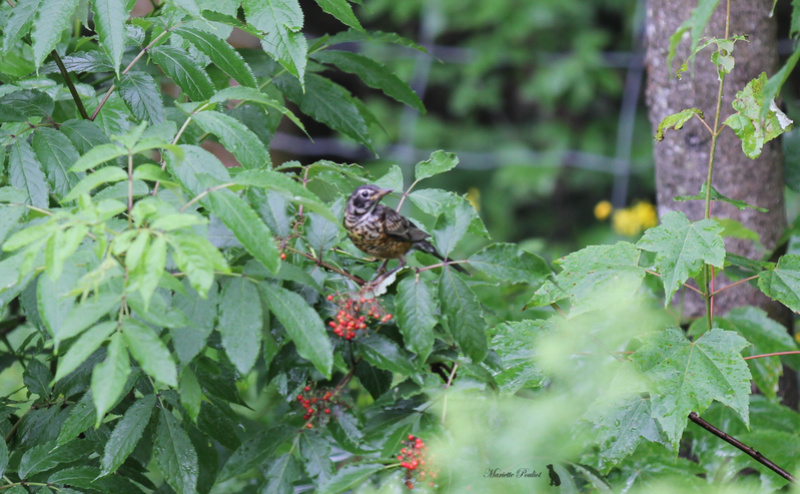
x: 428, y: 247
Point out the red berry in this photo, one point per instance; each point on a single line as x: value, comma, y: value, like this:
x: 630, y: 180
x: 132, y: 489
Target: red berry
x: 309, y: 426
x: 327, y: 411
x: 410, y: 437
x: 399, y: 457
x: 299, y: 397
x: 307, y: 389
x: 283, y: 256
x: 330, y: 298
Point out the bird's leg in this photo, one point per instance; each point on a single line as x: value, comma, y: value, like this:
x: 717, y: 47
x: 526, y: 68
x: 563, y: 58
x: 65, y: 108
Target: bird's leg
x: 382, y: 267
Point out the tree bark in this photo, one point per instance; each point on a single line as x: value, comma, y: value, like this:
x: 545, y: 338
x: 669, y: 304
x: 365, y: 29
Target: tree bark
x: 682, y: 157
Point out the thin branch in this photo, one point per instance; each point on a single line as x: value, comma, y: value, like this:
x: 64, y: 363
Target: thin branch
x: 441, y: 265
x: 203, y: 194
x: 447, y: 386
x: 741, y: 446
x: 765, y: 355
x: 702, y: 121
x: 405, y: 194
x: 325, y: 265
x: 690, y: 287
x: 745, y: 280
x: 558, y: 309
x: 70, y: 85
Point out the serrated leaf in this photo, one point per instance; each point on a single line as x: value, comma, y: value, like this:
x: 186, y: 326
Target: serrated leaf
x: 783, y: 282
x: 682, y: 247
x: 56, y: 154
x: 350, y: 476
x: 105, y: 175
x: 302, y: 323
x: 676, y: 121
x: 49, y: 455
x: 151, y: 353
x: 86, y: 314
x: 515, y: 344
x: 109, y: 377
x: 174, y: 453
x: 198, y: 168
x: 240, y: 323
x: 621, y: 426
x: 773, y: 86
x: 439, y: 162
x: 190, y: 392
x: 19, y: 22
x: 593, y: 276
x: 196, y: 257
x: 256, y: 96
x: 342, y: 10
x: 97, y: 155
x: 236, y: 138
x: 221, y: 54
x: 109, y: 21
x: 687, y: 376
x: 452, y: 226
x: 416, y: 315
x: 126, y: 434
x: 253, y: 452
x: 84, y: 134
x: 188, y: 341
x: 83, y: 347
x: 53, y: 302
x: 374, y: 74
x: 247, y: 226
x: 25, y: 173
x: 85, y: 61
x: 142, y: 96
x: 184, y: 71
x: 465, y: 318
x: 281, y: 475
x: 80, y: 418
x: 696, y: 23
x: 316, y: 450
x: 509, y: 263
x: 53, y: 17
x: 384, y: 353
x: 37, y: 378
x: 328, y: 103
x: 281, y: 22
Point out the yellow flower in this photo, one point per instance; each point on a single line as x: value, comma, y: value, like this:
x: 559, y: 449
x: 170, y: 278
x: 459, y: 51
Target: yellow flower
x: 603, y: 210
x: 634, y: 220
x: 474, y: 197
x: 646, y: 214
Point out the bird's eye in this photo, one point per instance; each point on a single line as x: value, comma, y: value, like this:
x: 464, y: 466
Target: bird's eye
x: 364, y: 193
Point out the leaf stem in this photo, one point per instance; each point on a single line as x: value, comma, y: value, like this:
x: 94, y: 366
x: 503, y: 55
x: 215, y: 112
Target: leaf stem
x: 690, y: 287
x: 325, y: 265
x: 203, y: 194
x: 405, y: 194
x: 745, y: 280
x: 741, y: 446
x: 74, y: 92
x: 776, y: 354
x: 447, y: 386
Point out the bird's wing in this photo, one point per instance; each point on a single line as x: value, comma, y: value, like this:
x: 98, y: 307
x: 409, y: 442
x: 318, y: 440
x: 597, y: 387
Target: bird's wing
x: 400, y: 227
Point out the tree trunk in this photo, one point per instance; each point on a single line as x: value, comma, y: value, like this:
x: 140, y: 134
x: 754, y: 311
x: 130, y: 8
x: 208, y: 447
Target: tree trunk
x: 682, y: 157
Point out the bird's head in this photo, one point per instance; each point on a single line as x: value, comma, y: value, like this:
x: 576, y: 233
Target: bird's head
x: 364, y: 199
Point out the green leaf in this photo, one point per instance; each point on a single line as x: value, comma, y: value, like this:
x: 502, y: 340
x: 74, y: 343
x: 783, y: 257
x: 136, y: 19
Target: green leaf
x: 37, y: 378
x: 593, y: 277
x: 716, y: 196
x: 687, y: 376
x: 342, y: 10
x: 773, y: 86
x: 439, y: 162
x: 303, y: 325
x: 109, y: 377
x: 682, y: 247
x: 316, y: 451
x: 83, y: 347
x: 416, y: 315
x: 109, y: 22
x: 240, y: 323
x: 53, y: 302
x: 80, y: 418
x: 126, y: 434
x: 374, y: 74
x: 25, y: 173
x: 46, y: 456
x: 4, y: 459
x: 152, y: 269
x: 384, y: 353
x: 236, y: 138
x: 196, y: 257
x: 253, y: 452
x: 151, y: 353
x: 328, y: 103
x: 221, y: 53
x: 19, y: 22
x: 676, y: 121
x: 105, y: 175
x: 509, y: 263
x: 464, y: 316
x: 349, y: 477
x: 256, y: 96
x: 749, y: 125
x: 56, y: 154
x: 174, y: 453
x: 85, y: 135
x: 26, y: 106
x: 281, y: 21
x: 515, y: 343
x: 452, y: 226
x: 142, y: 96
x: 765, y: 336
x: 53, y: 17
x: 783, y: 282
x: 184, y: 71
x: 249, y: 229
x: 86, y: 314
x: 696, y: 22
x: 281, y: 474
x: 190, y: 392
x: 85, y: 61
x: 197, y: 164
x: 621, y: 426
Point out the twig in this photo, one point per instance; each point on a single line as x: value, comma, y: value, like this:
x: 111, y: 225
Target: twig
x: 741, y: 446
x: 405, y: 194
x: 70, y: 85
x: 745, y: 280
x: 441, y: 265
x: 203, y: 194
x: 327, y: 266
x: 447, y: 386
x: 765, y: 355
x: 690, y: 287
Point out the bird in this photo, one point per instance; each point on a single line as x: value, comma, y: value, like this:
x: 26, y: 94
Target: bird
x: 383, y: 232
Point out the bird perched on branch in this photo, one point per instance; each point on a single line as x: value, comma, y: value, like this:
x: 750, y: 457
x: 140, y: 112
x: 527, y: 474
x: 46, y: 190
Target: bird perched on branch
x: 383, y: 232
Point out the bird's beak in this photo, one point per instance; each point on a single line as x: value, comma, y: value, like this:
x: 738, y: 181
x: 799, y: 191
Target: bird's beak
x: 382, y: 193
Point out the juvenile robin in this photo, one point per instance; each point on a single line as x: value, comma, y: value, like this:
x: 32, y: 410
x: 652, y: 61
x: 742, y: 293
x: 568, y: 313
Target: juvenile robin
x: 382, y: 232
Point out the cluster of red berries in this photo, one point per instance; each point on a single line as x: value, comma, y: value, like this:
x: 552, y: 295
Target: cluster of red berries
x: 412, y: 457
x: 354, y: 314
x: 316, y: 407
